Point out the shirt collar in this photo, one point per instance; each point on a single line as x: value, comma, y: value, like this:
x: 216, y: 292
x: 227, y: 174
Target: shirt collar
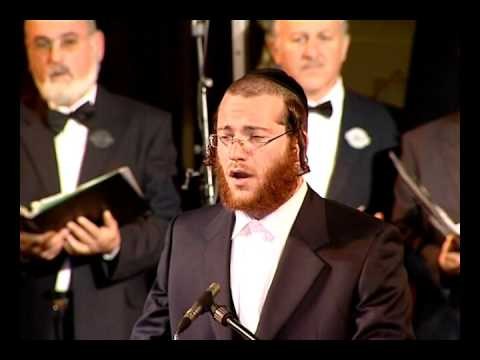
x: 89, y: 96
x: 279, y: 222
x: 335, y: 96
x: 241, y: 220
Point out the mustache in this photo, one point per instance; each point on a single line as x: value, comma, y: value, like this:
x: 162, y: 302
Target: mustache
x: 58, y: 69
x: 312, y: 65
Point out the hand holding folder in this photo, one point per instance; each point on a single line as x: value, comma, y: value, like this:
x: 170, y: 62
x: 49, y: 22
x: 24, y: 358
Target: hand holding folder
x: 117, y: 191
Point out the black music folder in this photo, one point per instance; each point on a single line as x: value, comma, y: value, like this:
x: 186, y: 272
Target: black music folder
x: 117, y: 191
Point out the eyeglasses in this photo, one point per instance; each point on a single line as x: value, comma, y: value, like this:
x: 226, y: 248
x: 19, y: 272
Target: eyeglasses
x: 249, y: 143
x: 67, y: 43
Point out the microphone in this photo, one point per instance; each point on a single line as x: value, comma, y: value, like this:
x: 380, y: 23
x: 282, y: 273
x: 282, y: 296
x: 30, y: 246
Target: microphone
x: 199, y: 27
x: 199, y: 307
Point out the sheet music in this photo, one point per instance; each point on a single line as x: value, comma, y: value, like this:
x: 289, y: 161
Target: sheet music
x: 437, y: 216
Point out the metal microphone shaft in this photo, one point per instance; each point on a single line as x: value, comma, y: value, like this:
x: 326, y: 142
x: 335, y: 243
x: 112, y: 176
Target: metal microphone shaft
x: 226, y: 318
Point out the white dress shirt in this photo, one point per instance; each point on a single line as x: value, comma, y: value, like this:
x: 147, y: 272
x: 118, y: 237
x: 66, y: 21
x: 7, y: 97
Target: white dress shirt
x: 323, y: 134
x: 70, y: 146
x: 256, y: 249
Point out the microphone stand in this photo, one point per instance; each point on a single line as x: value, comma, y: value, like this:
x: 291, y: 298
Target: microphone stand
x: 200, y: 32
x: 221, y: 314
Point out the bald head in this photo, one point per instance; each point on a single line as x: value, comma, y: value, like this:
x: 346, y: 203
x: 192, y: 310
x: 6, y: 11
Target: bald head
x: 91, y: 24
x: 269, y: 25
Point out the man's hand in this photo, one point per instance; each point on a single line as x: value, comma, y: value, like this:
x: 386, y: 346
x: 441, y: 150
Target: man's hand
x: 379, y: 215
x: 45, y: 246
x: 86, y: 238
x: 448, y: 260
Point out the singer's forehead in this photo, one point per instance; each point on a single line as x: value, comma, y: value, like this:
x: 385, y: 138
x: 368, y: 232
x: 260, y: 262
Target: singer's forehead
x: 261, y: 111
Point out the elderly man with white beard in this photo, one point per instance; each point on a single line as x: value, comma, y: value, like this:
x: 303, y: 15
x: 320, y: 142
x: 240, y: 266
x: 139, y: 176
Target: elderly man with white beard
x: 79, y: 130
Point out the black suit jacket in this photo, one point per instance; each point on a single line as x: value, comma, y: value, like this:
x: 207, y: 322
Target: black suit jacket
x: 364, y: 176
x: 340, y: 276
x: 107, y: 296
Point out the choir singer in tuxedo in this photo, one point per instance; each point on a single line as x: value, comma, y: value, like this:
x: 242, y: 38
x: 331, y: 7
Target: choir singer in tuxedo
x: 87, y: 281
x: 349, y: 134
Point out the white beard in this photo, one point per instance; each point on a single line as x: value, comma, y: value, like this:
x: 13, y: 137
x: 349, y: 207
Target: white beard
x: 65, y: 93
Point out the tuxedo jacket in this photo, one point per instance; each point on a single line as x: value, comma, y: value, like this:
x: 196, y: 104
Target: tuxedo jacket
x: 431, y: 153
x: 340, y: 276
x: 364, y: 176
x: 107, y: 295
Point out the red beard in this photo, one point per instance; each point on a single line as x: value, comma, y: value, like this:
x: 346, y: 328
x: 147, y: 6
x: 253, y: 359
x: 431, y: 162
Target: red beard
x: 276, y: 188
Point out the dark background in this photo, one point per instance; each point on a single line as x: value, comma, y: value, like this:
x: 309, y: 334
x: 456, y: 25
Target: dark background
x: 156, y: 62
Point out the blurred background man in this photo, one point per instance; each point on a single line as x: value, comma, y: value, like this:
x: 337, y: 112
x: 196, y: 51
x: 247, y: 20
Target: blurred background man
x: 74, y: 131
x: 431, y: 154
x: 348, y: 133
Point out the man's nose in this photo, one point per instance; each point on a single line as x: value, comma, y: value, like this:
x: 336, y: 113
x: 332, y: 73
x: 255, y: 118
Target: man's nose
x: 236, y: 149
x: 311, y: 49
x: 55, y: 53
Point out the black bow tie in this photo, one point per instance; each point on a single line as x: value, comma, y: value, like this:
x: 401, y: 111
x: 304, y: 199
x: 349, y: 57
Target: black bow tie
x: 324, y: 109
x: 57, y: 120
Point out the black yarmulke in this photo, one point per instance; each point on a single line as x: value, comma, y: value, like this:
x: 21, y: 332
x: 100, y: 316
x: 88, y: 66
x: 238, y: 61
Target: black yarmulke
x: 283, y: 79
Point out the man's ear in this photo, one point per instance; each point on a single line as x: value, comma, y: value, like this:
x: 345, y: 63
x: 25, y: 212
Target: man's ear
x: 99, y: 41
x: 272, y: 42
x: 272, y: 47
x: 346, y: 46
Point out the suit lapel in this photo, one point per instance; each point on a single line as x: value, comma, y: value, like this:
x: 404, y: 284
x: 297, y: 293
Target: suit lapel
x: 346, y: 155
x: 298, y: 267
x: 107, y: 117
x: 38, y: 141
x: 217, y: 260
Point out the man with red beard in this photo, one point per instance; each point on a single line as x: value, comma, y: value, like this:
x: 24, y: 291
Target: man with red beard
x: 86, y: 280
x: 290, y: 264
